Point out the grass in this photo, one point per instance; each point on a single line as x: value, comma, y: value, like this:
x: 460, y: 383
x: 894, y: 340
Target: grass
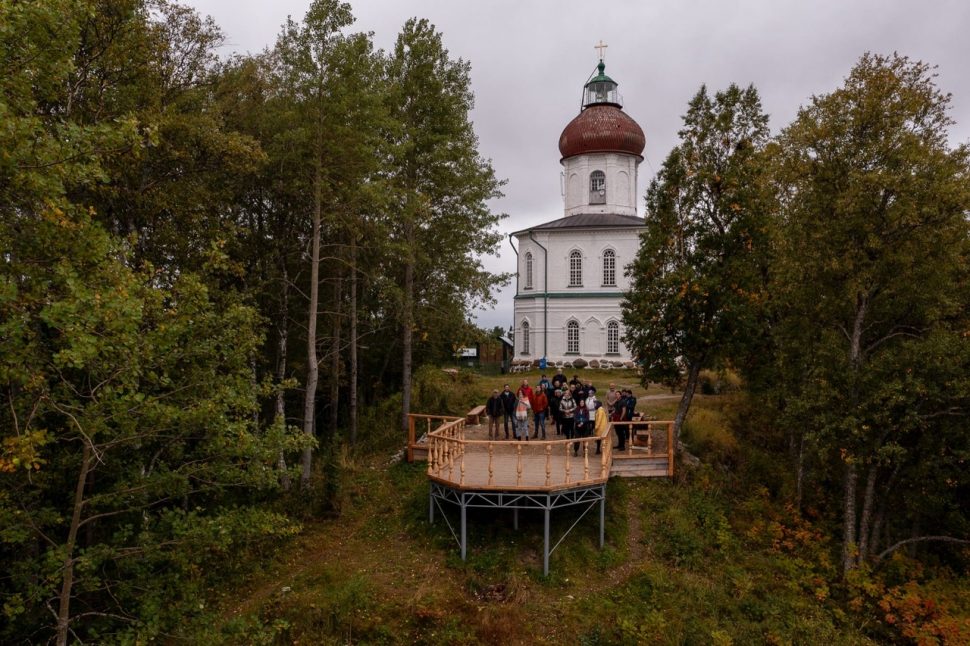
x: 702, y: 560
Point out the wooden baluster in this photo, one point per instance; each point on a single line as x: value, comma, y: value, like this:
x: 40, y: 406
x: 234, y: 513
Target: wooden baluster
x: 629, y: 438
x: 518, y: 466
x: 670, y: 449
x: 548, y: 463
x: 461, y: 448
x: 605, y: 447
x: 585, y: 459
x: 567, y: 460
x: 650, y: 438
x: 490, y: 474
x: 431, y: 447
x: 451, y: 461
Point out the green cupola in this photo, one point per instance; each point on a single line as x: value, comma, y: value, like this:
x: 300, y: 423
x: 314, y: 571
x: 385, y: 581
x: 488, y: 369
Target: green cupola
x: 601, y: 89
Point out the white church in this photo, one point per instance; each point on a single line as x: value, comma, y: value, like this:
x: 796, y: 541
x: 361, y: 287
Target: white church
x: 570, y: 270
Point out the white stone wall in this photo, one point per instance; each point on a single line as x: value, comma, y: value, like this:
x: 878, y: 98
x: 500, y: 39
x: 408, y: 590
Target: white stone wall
x: 621, y: 183
x: 593, y: 305
x: 591, y: 244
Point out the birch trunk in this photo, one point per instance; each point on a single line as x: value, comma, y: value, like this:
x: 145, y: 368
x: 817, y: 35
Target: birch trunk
x: 407, y: 325
x: 310, y: 397
x: 279, y: 411
x: 865, y: 522
x: 353, y: 340
x: 335, y: 361
x: 848, y: 528
x: 693, y: 371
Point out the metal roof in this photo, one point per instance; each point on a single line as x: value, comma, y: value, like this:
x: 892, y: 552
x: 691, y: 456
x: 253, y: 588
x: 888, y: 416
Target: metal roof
x: 588, y: 221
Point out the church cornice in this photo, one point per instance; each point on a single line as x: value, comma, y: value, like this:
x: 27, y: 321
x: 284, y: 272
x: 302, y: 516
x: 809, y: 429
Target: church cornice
x: 576, y: 294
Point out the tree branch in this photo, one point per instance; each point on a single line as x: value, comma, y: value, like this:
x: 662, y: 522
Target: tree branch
x: 920, y: 539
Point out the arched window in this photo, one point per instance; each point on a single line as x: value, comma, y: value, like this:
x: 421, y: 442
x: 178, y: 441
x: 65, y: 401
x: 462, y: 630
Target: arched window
x: 575, y: 269
x: 525, y: 337
x: 572, y: 337
x: 613, y: 338
x: 528, y: 270
x: 609, y: 268
x: 597, y: 187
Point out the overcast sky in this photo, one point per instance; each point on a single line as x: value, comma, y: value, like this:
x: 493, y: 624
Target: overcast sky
x: 530, y: 59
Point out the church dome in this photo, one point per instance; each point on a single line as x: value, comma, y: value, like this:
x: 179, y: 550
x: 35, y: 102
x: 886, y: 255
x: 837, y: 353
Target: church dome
x: 602, y: 128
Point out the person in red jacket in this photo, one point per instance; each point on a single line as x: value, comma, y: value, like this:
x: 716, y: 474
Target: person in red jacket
x: 540, y: 407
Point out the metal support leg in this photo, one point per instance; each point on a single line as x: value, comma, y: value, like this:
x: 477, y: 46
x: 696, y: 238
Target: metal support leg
x: 431, y: 508
x: 545, y: 544
x: 515, y: 519
x: 464, y: 532
x: 602, y: 519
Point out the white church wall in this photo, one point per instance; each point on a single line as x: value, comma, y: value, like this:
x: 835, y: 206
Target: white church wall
x: 549, y: 339
x: 618, y: 168
x: 591, y: 244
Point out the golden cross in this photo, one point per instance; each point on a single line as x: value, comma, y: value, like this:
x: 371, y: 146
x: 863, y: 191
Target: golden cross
x: 601, y: 46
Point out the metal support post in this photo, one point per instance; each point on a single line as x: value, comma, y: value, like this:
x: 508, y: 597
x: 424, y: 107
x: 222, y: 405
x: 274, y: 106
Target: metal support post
x: 545, y: 543
x: 464, y: 533
x: 515, y: 518
x: 603, y: 518
x: 431, y: 505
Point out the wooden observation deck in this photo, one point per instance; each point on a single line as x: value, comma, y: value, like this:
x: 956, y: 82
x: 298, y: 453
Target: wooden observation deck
x: 460, y: 454
x: 468, y: 470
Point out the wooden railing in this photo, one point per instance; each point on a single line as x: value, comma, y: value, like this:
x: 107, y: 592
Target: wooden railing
x: 649, y: 438
x: 510, y: 465
x: 426, y: 424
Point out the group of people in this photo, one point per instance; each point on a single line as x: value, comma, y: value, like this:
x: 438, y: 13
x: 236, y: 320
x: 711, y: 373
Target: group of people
x: 572, y: 406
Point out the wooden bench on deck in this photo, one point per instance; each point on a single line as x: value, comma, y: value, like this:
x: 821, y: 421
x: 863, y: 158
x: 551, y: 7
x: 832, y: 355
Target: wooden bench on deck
x: 474, y: 415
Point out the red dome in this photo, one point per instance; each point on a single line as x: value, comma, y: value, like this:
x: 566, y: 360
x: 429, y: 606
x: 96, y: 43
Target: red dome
x: 601, y: 128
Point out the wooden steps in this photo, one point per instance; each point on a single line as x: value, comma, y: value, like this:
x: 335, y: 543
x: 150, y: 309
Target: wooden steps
x: 637, y: 466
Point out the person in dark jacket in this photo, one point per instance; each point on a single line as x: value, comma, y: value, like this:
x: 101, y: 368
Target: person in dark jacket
x: 495, y: 410
x: 554, y: 400
x: 619, y: 414
x: 508, y: 408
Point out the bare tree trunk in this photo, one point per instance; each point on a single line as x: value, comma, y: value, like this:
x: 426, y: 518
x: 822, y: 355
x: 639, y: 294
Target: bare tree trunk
x: 282, y: 327
x: 335, y: 360
x: 865, y: 522
x: 67, y: 580
x: 849, y: 537
x: 875, y: 542
x: 407, y: 323
x: 800, y: 474
x: 848, y: 528
x: 310, y: 397
x: 353, y: 339
x: 693, y: 371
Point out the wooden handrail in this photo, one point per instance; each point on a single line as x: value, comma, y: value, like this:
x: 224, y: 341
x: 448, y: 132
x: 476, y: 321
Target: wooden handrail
x: 534, y: 464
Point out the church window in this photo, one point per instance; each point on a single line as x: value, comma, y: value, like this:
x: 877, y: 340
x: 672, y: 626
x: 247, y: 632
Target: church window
x: 597, y: 187
x: 528, y: 270
x: 572, y: 337
x: 575, y: 269
x: 613, y: 337
x: 609, y: 268
x: 525, y: 337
